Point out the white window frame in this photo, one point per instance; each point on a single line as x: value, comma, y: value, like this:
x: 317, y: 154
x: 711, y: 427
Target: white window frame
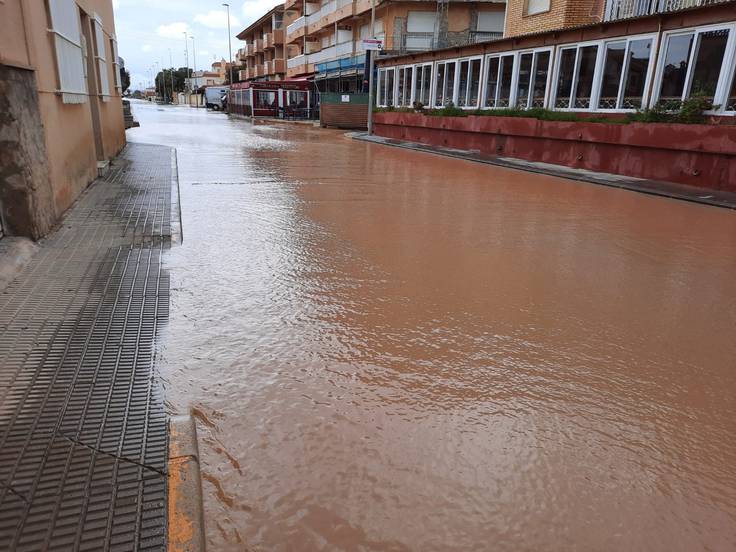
x: 416, y: 89
x: 435, y: 72
x: 382, y: 87
x: 598, y: 82
x: 486, y: 68
x: 597, y: 70
x: 101, y: 59
x: 729, y: 58
x: 730, y: 81
x: 458, y: 92
x: 405, y: 101
x: 70, y: 66
x: 517, y: 73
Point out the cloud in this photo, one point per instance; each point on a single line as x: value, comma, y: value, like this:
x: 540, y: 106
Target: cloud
x: 146, y: 48
x: 216, y: 19
x: 172, y: 30
x: 253, y: 9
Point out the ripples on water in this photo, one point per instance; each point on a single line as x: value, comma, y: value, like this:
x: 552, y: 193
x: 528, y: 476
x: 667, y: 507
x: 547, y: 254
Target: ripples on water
x: 388, y: 350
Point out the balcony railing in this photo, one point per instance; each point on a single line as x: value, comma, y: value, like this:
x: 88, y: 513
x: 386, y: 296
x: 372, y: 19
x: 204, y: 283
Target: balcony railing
x: 625, y: 9
x: 296, y: 61
x: 324, y: 11
x: 417, y: 42
x: 296, y: 25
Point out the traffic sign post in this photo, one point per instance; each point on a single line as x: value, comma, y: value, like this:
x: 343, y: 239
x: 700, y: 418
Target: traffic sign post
x: 372, y: 46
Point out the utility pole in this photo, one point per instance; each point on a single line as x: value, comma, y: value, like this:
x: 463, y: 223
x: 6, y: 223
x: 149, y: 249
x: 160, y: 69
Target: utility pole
x: 186, y: 55
x: 229, y: 44
x: 369, y: 53
x: 194, y: 72
x: 171, y: 73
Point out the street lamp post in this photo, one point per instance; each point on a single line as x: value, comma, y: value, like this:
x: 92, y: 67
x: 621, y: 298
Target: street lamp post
x: 229, y: 43
x: 371, y: 53
x: 186, y: 54
x: 194, y: 71
x: 171, y: 73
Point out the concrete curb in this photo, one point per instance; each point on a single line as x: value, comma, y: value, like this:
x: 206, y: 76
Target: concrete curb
x: 714, y: 198
x: 186, y: 515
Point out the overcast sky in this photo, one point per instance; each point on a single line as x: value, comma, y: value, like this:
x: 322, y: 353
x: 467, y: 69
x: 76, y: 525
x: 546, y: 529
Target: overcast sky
x: 147, y: 29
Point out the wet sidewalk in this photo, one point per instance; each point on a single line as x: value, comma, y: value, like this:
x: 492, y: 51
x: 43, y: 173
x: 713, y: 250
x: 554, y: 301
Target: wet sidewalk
x: 83, y: 440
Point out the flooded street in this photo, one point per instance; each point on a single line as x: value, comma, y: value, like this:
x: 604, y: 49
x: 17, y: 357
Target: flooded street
x: 388, y: 350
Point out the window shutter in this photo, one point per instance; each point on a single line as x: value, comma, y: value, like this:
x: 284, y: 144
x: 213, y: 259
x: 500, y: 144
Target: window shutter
x: 116, y: 64
x: 68, y: 45
x: 101, y: 59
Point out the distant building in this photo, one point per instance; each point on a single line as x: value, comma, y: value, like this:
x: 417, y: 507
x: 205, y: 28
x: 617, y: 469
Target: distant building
x: 216, y: 76
x: 61, y: 91
x: 263, y: 57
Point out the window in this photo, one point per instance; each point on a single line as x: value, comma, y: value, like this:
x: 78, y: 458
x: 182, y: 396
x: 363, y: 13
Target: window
x: 498, y: 80
x: 532, y: 7
x: 731, y: 99
x: 100, y: 57
x: 265, y: 99
x: 469, y: 83
x: 445, y: 83
x: 575, y: 77
x: 420, y: 27
x: 533, y: 72
x: 423, y: 84
x: 405, y: 86
x: 297, y: 98
x: 68, y: 44
x: 385, y: 87
x: 625, y: 70
x: 693, y: 65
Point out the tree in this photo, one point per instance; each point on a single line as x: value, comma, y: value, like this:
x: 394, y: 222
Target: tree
x: 163, y: 80
x: 124, y: 79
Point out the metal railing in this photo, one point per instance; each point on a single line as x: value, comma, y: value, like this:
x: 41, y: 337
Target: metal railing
x: 417, y: 42
x: 296, y: 61
x: 625, y: 9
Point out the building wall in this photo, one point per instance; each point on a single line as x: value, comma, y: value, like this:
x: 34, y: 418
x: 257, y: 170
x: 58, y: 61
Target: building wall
x: 73, y: 145
x: 561, y: 14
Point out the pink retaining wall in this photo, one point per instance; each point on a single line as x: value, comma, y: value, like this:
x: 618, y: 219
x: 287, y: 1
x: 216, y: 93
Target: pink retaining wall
x: 698, y: 155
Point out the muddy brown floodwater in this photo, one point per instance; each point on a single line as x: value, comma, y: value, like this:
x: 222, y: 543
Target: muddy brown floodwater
x: 388, y: 350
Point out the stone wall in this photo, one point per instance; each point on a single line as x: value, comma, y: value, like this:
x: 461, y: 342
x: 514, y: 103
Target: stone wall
x: 26, y: 196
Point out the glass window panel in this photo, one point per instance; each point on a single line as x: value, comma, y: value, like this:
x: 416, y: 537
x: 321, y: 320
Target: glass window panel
x: 525, y: 80
x: 439, y: 84
x: 708, y: 62
x: 426, y: 84
x: 474, y: 92
x: 380, y: 87
x: 507, y: 71
x: 586, y: 72
x: 640, y: 52
x: 266, y: 99
x: 613, y: 67
x: 492, y: 83
x: 462, y: 99
x: 541, y: 74
x: 390, y: 87
x: 675, y: 69
x: 564, y: 81
x: 407, y: 85
x: 401, y: 81
x: 449, y: 83
x: 731, y: 100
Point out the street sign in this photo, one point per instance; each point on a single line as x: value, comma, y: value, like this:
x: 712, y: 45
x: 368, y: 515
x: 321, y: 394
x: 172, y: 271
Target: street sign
x: 372, y: 44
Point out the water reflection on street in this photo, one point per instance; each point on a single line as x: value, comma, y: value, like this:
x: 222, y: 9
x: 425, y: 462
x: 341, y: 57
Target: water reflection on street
x: 389, y: 350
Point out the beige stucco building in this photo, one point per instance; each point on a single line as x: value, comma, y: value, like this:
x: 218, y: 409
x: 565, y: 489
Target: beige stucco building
x: 60, y: 106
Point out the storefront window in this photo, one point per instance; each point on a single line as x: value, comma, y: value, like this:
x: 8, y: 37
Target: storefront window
x: 439, y: 85
x: 492, y: 82
x: 469, y: 83
x: 565, y: 78
x: 639, y: 58
x: 506, y: 74
x: 297, y: 99
x: 265, y: 99
x: 586, y: 72
x: 676, y: 62
x: 708, y: 63
x: 613, y: 69
x: 541, y: 75
x: 524, y: 80
x: 390, y: 73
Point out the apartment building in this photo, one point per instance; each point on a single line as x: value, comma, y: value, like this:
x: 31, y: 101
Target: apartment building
x: 324, y: 38
x: 263, y: 56
x: 536, y: 16
x: 60, y: 99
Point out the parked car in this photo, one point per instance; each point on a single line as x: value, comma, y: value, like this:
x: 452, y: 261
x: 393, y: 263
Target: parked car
x: 213, y: 97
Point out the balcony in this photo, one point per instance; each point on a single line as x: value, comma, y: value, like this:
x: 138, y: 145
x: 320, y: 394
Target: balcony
x: 279, y: 66
x: 243, y: 75
x: 258, y: 44
x: 250, y: 50
x: 292, y: 4
x: 241, y: 54
x: 296, y: 26
x: 278, y: 36
x: 268, y: 41
x: 625, y: 9
x: 260, y: 71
